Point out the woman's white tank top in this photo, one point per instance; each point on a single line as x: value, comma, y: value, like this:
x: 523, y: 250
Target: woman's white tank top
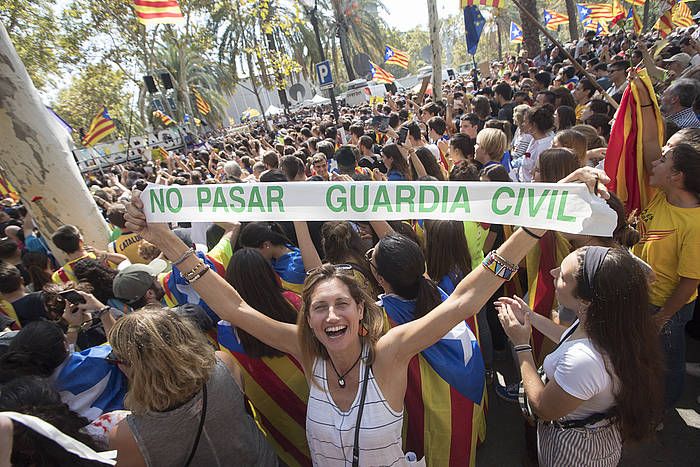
x: 331, y: 432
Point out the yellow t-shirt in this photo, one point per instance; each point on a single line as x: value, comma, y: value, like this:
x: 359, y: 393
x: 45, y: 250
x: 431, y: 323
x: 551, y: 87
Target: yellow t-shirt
x: 127, y: 244
x: 670, y: 244
x: 579, y: 111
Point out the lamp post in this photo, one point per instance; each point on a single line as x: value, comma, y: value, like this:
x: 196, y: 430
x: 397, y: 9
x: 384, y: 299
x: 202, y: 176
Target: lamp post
x: 314, y: 23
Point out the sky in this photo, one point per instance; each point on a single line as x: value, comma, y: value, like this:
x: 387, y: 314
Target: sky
x: 407, y: 14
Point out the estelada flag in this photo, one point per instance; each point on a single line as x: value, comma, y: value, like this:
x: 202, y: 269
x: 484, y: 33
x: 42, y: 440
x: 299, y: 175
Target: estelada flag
x: 380, y: 75
x: 445, y: 397
x: 101, y: 126
x: 278, y: 392
x: 158, y: 12
x: 547, y: 254
x: 395, y: 56
x: 624, y: 157
x: 516, y: 33
x: 553, y: 20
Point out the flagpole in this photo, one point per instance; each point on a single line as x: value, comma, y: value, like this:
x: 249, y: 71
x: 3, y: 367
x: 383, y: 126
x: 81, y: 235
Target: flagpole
x: 561, y: 48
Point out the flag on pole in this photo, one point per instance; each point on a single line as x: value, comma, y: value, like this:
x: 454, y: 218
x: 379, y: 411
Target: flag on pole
x: 492, y: 3
x: 158, y: 12
x: 552, y: 19
x: 665, y: 21
x: 380, y: 75
x: 682, y: 16
x: 163, y: 118
x: 602, y: 29
x: 583, y: 12
x: 617, y: 12
x: 516, y: 33
x: 636, y: 20
x: 101, y: 126
x: 599, y: 11
x: 202, y: 105
x: 395, y: 56
x: 473, y: 25
x: 163, y: 153
x: 624, y: 159
x: 636, y: 2
x: 589, y: 25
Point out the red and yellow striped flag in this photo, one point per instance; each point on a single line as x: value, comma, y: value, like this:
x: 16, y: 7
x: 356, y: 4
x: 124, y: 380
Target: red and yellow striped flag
x: 599, y: 11
x: 101, y: 126
x: 553, y: 20
x: 163, y: 118
x: 395, y: 56
x: 277, y: 390
x: 636, y: 2
x: 617, y: 12
x: 380, y: 75
x: 158, y: 11
x: 7, y: 190
x: 202, y: 105
x: 548, y: 254
x: 665, y: 21
x: 492, y: 3
x: 163, y: 153
x: 624, y: 159
x: 682, y: 16
x: 636, y: 20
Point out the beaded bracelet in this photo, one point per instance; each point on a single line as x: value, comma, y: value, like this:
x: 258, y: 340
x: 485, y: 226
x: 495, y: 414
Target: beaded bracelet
x: 523, y: 348
x: 196, y: 272
x: 184, y: 256
x: 499, y: 265
x: 197, y: 276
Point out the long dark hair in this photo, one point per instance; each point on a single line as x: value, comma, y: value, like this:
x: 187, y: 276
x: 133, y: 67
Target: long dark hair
x: 431, y: 166
x: 687, y: 161
x: 619, y: 326
x: 35, y: 262
x: 398, y: 162
x: 35, y: 396
x: 446, y: 249
x: 401, y: 263
x: 253, y: 277
x: 37, y: 349
x: 255, y: 234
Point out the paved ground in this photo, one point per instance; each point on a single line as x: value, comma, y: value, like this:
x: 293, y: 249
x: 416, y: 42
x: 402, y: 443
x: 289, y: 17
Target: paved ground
x: 677, y: 445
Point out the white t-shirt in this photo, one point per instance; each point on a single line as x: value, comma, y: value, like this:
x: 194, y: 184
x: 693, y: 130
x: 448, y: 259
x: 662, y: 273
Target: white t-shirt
x: 527, y: 167
x: 579, y: 369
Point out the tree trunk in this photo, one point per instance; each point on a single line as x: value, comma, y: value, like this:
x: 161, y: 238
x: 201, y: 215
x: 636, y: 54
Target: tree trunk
x: 499, y: 35
x: 345, y: 49
x: 531, y: 35
x: 254, y: 87
x: 572, y: 13
x: 37, y: 159
x: 436, y: 45
x: 645, y: 20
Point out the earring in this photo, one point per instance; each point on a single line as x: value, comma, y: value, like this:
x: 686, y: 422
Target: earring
x: 362, y: 332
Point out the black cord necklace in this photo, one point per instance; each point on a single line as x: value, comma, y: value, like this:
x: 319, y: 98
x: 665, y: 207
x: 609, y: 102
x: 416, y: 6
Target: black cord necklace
x: 341, y: 378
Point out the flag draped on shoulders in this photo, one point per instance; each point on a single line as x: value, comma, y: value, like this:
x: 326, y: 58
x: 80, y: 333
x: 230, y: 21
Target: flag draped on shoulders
x: 395, y: 56
x: 278, y: 392
x: 101, y: 126
x: 624, y: 158
x: 89, y: 384
x: 158, y: 12
x: 445, y: 395
x: 547, y: 254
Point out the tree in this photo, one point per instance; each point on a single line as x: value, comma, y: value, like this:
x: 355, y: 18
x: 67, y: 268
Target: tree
x: 41, y: 46
x: 37, y: 159
x: 436, y: 45
x: 572, y: 13
x: 531, y: 35
x: 95, y: 86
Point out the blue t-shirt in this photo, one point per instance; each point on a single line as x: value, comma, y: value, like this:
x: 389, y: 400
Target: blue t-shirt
x: 395, y: 176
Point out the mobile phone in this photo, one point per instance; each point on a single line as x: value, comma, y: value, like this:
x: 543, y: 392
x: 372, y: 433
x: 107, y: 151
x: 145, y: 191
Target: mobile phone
x: 403, y: 132
x: 72, y: 296
x: 380, y: 122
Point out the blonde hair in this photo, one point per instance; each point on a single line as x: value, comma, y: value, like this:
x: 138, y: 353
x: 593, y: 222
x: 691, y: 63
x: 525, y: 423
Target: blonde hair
x: 372, y: 319
x: 574, y: 140
x: 593, y: 139
x: 168, y: 359
x: 519, y: 113
x: 493, y: 141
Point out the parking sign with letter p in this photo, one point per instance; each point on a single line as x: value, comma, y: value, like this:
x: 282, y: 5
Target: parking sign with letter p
x: 323, y: 72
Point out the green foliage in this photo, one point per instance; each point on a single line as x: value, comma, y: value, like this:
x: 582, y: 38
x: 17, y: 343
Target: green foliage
x: 95, y: 86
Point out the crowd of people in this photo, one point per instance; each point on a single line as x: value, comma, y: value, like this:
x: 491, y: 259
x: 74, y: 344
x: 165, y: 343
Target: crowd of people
x: 372, y: 342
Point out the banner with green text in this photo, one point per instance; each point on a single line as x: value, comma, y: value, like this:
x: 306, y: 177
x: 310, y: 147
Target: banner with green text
x: 566, y: 207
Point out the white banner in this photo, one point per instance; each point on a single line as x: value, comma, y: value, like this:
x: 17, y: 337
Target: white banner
x: 565, y: 207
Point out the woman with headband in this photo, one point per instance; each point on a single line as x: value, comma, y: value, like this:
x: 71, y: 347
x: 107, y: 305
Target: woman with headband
x: 600, y: 385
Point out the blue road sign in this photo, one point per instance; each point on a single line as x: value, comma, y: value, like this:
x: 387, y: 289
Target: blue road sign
x: 323, y: 72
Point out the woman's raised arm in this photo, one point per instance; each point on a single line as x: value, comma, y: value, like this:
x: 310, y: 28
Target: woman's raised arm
x: 216, y: 292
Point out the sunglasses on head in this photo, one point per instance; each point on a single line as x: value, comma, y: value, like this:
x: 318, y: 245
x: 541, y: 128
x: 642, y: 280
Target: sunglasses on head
x: 338, y: 267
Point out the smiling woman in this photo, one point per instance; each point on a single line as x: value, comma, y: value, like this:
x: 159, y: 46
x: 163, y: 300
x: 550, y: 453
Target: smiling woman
x: 357, y: 373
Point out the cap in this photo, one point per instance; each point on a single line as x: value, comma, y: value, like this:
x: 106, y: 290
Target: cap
x: 132, y: 283
x: 682, y: 58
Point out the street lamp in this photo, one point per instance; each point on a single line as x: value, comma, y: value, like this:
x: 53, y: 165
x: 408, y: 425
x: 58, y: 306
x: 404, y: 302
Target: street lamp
x: 311, y: 12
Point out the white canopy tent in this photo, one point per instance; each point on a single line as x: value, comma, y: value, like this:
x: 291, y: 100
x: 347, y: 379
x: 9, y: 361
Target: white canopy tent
x: 273, y: 110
